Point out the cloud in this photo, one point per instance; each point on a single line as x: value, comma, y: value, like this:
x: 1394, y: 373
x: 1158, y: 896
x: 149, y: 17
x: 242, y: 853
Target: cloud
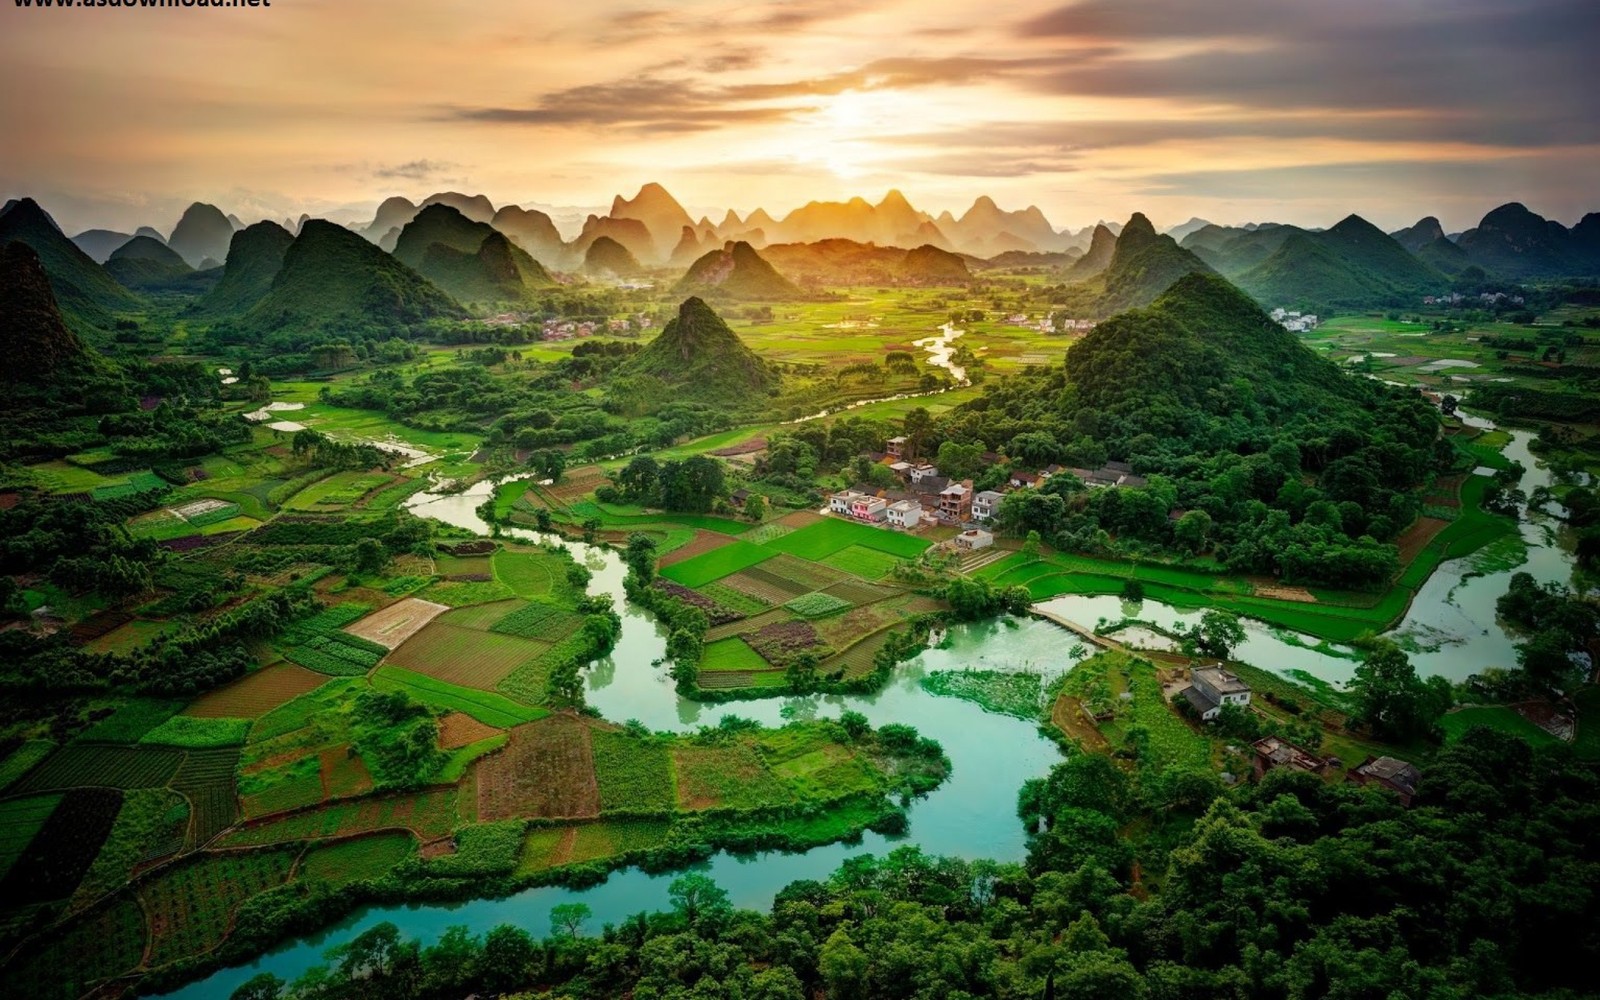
x: 416, y: 170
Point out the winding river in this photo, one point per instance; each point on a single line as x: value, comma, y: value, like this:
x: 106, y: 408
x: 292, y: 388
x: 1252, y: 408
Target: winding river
x: 973, y: 814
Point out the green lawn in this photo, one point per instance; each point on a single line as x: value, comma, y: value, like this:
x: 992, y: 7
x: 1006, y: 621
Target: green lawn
x: 717, y: 563
x: 1498, y: 717
x: 732, y: 654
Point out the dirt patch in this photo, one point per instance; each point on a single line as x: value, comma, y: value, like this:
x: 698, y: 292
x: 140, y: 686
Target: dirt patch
x: 701, y: 543
x: 398, y: 622
x: 1281, y: 591
x: 546, y: 770
x: 254, y: 695
x: 1416, y: 538
x: 743, y: 448
x: 459, y: 729
x: 1071, y: 718
x: 800, y: 519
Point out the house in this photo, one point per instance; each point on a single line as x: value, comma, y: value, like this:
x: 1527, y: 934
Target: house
x: 986, y: 505
x: 921, y: 472
x: 839, y: 503
x: 1388, y: 772
x: 1274, y: 752
x: 1120, y: 468
x: 1022, y: 480
x: 955, y: 502
x: 1210, y: 688
x: 896, y: 447
x: 738, y: 498
x: 904, y: 514
x: 929, y: 489
x: 973, y: 540
x: 901, y: 469
x: 868, y: 508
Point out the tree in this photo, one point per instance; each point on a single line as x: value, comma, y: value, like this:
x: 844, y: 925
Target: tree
x: 371, y: 556
x: 1391, y: 700
x: 801, y: 674
x: 855, y: 724
x: 569, y: 918
x: 755, y: 507
x: 917, y: 426
x: 695, y: 896
x: 1218, y: 634
x: 262, y: 986
x: 1030, y: 545
x: 1192, y: 531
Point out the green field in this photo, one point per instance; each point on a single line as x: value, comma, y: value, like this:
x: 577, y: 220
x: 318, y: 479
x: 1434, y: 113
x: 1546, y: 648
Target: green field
x: 732, y: 654
x: 831, y: 535
x: 1496, y: 717
x: 717, y: 563
x: 485, y: 706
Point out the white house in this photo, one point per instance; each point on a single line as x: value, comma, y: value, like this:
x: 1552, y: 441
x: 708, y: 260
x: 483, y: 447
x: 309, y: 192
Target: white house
x: 921, y: 472
x: 1210, y: 688
x: 839, y: 503
x: 973, y: 539
x: 986, y: 505
x: 905, y: 514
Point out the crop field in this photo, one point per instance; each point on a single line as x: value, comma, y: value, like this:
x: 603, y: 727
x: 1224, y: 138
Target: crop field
x: 192, y: 732
x: 763, y: 588
x: 297, y: 714
x: 833, y: 534
x: 1498, y: 717
x: 814, y: 766
x: 546, y: 770
x: 150, y: 826
x: 463, y: 567
x: 56, y: 858
x: 430, y: 814
x: 466, y: 593
x: 780, y: 642
x: 103, y: 766
x: 20, y: 819
x: 735, y: 600
x: 731, y: 654
x: 767, y: 532
x: 206, y: 779
x: 397, y: 623
x: 485, y: 706
x: 465, y: 656
x: 859, y: 560
x: 357, y: 859
x: 537, y: 620
x: 751, y: 624
x: 857, y: 592
x: 190, y: 907
x: 480, y: 616
x: 699, y: 545
x: 22, y: 760
x: 104, y: 943
x: 729, y: 776
x: 530, y: 573
x: 338, y: 491
x: 254, y: 695
x: 553, y: 846
x: 843, y: 631
x: 717, y: 563
x: 296, y: 785
x: 458, y: 729
x: 817, y: 605
x: 857, y: 661
x: 633, y: 772
x: 132, y: 719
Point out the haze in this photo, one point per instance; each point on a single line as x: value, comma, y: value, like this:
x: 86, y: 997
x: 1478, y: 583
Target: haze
x: 1295, y: 111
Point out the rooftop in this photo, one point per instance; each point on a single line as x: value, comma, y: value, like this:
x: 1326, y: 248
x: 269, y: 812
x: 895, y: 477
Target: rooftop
x: 1222, y: 681
x: 1395, y: 771
x: 1282, y: 753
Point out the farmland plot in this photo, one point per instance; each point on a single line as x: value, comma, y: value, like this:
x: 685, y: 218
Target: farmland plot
x: 546, y: 770
x: 104, y: 766
x: 430, y: 814
x: 206, y: 780
x: 833, y: 534
x: 717, y: 563
x: 20, y: 819
x: 730, y: 776
x: 479, y: 616
x: 485, y: 706
x: 358, y: 858
x: 107, y: 942
x: 702, y: 542
x: 55, y: 860
x: 530, y: 574
x: 458, y: 729
x: 397, y: 623
x: 465, y: 656
x: 633, y: 772
x: 254, y: 695
x: 190, y: 908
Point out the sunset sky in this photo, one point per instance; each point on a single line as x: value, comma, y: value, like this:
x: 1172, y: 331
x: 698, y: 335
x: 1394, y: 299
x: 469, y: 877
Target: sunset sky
x: 1286, y: 110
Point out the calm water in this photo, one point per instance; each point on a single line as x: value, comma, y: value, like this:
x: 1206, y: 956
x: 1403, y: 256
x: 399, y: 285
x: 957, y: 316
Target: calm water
x: 973, y: 814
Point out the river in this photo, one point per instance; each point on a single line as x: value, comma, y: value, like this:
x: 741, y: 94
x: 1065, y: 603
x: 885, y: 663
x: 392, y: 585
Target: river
x: 973, y: 814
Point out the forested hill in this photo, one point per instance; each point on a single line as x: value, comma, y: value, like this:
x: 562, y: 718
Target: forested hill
x: 1296, y: 468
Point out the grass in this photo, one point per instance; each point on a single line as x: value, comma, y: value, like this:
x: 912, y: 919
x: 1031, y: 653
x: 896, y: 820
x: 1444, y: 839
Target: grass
x: 22, y: 760
x: 485, y: 706
x: 859, y: 560
x: 473, y: 659
x: 529, y: 575
x: 461, y: 594
x: 131, y: 721
x: 192, y: 732
x: 731, y: 776
x: 149, y: 825
x: 1496, y: 717
x: 735, y: 600
x: 717, y: 563
x: 461, y: 758
x: 732, y: 654
x: 20, y: 819
x: 832, y: 535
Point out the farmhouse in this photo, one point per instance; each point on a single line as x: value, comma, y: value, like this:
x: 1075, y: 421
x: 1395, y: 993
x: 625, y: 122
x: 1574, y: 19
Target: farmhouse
x: 1212, y: 687
x: 1021, y: 480
x: 839, y: 503
x: 1274, y: 752
x: 922, y: 472
x: 738, y: 497
x: 868, y: 508
x: 986, y: 505
x: 1388, y: 772
x: 904, y: 514
x: 902, y: 470
x: 973, y: 540
x: 955, y: 502
x: 896, y: 447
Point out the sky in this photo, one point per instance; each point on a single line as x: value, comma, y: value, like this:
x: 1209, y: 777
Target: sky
x: 1246, y: 110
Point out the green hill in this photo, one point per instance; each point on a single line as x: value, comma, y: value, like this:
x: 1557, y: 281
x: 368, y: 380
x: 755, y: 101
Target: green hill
x: 254, y: 258
x: 470, y: 260
x: 31, y: 325
x: 203, y: 233
x: 1513, y: 242
x: 737, y: 271
x: 144, y: 264
x: 1143, y: 265
x: 1102, y: 244
x: 929, y: 265
x: 1354, y: 265
x: 333, y: 279
x: 608, y: 258
x: 1444, y: 256
x: 697, y: 354
x: 86, y: 294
